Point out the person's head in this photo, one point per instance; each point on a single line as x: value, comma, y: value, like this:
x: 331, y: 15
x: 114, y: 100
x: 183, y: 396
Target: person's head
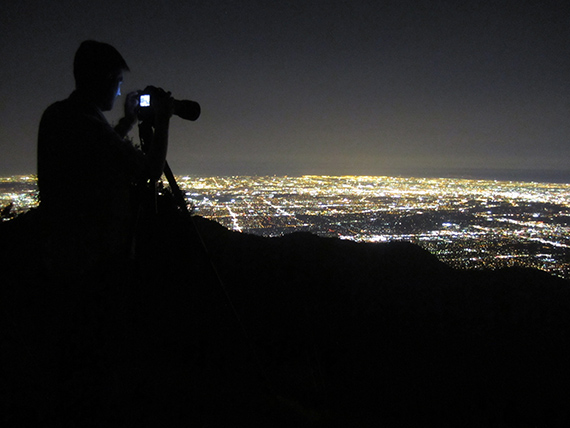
x: 98, y: 70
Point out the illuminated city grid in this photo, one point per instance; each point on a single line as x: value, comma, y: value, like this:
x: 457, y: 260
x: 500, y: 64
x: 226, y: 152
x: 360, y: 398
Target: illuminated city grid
x: 18, y: 194
x: 465, y: 223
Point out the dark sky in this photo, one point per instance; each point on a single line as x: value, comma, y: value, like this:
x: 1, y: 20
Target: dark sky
x: 313, y: 87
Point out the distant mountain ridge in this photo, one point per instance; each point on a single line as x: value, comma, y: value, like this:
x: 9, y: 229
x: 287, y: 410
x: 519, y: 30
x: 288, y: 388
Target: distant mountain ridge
x: 290, y: 331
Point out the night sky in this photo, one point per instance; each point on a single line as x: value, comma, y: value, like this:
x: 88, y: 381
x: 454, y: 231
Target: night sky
x: 314, y: 87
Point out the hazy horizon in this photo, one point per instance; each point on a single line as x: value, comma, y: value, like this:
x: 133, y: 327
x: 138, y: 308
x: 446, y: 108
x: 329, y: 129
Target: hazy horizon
x: 539, y: 176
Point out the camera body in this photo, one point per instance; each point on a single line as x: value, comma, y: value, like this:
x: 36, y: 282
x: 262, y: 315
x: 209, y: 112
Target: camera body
x: 185, y: 109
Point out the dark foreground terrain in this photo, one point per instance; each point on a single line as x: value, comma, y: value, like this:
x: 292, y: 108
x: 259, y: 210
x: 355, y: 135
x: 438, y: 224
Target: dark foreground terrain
x: 297, y: 331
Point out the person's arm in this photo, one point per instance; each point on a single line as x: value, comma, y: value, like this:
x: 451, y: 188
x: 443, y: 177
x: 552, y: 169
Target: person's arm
x: 127, y: 122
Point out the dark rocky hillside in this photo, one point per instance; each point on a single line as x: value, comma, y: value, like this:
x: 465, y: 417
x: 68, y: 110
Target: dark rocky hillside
x: 293, y: 331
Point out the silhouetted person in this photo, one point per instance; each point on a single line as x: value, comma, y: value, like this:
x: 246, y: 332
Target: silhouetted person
x: 86, y: 168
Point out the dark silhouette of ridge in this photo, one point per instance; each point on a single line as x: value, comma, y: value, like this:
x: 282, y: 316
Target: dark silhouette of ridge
x: 290, y: 331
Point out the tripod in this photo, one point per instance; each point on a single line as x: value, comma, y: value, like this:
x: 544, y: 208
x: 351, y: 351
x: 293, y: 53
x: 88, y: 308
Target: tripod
x: 146, y: 134
x: 175, y: 189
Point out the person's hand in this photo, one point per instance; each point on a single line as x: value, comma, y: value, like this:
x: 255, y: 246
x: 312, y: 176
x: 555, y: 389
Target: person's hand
x: 131, y: 106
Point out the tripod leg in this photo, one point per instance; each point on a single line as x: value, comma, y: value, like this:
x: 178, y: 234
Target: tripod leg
x: 178, y: 195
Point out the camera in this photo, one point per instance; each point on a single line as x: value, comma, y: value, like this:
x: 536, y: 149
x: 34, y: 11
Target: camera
x: 185, y: 109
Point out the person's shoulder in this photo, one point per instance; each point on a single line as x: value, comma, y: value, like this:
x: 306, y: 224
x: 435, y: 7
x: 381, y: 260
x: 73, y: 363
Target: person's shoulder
x: 72, y: 112
x: 60, y: 108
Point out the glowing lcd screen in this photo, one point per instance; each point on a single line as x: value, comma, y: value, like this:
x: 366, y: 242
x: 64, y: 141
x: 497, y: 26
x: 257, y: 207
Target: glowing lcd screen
x: 145, y: 101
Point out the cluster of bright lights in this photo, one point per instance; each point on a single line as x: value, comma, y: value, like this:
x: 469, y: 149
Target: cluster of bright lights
x: 467, y: 223
x: 469, y: 213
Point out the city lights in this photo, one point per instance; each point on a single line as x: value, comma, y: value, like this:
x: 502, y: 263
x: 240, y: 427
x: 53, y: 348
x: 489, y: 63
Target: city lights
x: 465, y: 223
